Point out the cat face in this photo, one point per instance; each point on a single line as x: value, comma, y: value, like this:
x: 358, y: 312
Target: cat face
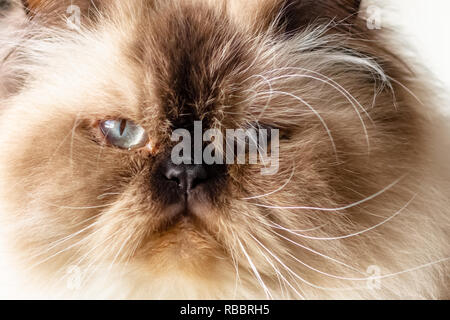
x: 78, y: 192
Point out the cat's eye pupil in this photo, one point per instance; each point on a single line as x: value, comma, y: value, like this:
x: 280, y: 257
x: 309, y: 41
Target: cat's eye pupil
x: 123, y: 125
x: 124, y: 134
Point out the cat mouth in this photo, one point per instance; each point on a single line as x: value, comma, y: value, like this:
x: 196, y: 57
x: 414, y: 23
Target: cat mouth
x: 190, y: 209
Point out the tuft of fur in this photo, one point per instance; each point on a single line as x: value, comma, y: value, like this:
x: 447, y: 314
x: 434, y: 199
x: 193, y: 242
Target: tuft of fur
x: 358, y: 209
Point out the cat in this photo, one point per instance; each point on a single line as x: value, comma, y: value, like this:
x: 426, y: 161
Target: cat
x: 92, y: 205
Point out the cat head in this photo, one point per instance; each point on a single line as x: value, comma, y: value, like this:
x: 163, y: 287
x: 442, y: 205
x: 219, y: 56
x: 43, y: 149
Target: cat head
x: 88, y: 174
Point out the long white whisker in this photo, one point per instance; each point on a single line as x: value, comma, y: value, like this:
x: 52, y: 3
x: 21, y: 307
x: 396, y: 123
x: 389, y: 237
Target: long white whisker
x: 316, y: 113
x: 67, y: 238
x: 275, y: 191
x: 66, y: 249
x: 407, y: 90
x: 72, y: 140
x: 95, y: 263
x: 344, y: 92
x: 102, y: 196
x: 372, y: 277
x: 318, y: 253
x: 119, y: 251
x: 275, y: 268
x: 304, y: 230
x: 255, y: 271
x: 353, y: 234
x: 74, y: 208
x: 270, y: 96
x: 302, y: 279
x: 375, y: 195
x: 330, y: 82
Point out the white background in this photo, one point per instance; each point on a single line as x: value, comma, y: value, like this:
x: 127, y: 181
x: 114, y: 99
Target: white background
x: 425, y: 25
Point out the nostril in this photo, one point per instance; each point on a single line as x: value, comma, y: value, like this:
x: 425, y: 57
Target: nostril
x: 187, y: 177
x: 196, y: 175
x: 175, y: 174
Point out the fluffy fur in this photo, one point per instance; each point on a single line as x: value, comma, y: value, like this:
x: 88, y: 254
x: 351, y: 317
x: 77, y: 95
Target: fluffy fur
x: 362, y: 186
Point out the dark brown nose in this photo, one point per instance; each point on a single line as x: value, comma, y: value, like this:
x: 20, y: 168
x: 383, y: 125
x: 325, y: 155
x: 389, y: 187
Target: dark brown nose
x: 186, y: 176
x: 186, y: 183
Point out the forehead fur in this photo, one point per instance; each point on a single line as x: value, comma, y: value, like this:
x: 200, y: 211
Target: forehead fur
x: 177, y: 60
x: 194, y: 61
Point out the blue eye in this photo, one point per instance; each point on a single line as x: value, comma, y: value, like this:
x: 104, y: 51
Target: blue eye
x: 124, y: 134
